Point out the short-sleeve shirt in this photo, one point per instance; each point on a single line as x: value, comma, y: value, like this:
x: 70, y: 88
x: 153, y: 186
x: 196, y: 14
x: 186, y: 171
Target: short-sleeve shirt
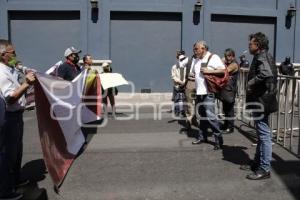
x: 8, y: 85
x: 215, y: 62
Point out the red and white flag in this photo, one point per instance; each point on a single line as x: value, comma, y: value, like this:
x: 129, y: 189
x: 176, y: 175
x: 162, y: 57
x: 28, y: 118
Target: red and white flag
x: 61, y: 112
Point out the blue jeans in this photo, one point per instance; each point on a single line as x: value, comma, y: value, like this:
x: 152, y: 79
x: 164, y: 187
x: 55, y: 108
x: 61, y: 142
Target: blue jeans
x: 263, y: 155
x: 208, y: 117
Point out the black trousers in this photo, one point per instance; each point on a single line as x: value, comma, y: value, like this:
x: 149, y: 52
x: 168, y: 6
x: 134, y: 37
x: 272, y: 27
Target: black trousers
x: 11, y: 151
x: 228, y: 109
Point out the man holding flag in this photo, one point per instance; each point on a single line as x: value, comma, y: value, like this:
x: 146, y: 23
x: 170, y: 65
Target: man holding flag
x: 11, y: 143
x: 71, y: 104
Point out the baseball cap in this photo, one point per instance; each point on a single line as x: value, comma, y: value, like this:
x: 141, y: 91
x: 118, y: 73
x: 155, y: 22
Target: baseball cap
x: 105, y: 64
x: 71, y: 50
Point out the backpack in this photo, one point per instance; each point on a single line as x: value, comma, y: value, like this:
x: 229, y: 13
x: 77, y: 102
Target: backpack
x: 215, y: 83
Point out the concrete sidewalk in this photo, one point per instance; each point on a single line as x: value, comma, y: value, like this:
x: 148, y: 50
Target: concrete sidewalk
x: 144, y: 97
x: 148, y: 159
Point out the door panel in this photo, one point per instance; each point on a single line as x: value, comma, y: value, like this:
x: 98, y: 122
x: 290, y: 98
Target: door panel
x: 41, y: 38
x: 230, y: 31
x: 143, y: 48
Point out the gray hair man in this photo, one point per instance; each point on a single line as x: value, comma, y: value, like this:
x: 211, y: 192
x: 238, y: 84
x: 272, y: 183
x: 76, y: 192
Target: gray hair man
x: 206, y: 63
x: 11, y: 146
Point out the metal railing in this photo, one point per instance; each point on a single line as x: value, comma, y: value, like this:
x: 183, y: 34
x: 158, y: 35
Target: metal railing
x: 285, y: 122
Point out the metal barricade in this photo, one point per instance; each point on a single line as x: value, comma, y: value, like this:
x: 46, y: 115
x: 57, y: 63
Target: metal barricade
x: 241, y: 96
x: 286, y: 122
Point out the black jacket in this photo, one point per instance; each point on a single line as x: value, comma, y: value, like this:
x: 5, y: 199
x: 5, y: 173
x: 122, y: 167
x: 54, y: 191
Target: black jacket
x: 67, y: 71
x: 262, y: 82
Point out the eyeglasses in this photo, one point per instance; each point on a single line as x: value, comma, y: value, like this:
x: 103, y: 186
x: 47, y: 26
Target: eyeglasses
x: 195, y: 49
x: 11, y: 52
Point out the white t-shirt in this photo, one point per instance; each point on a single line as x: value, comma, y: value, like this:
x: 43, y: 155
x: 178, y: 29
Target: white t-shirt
x: 214, y: 63
x: 8, y: 84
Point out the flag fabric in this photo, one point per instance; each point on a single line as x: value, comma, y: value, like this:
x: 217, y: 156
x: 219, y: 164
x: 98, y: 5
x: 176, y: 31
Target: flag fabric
x: 92, y: 91
x: 61, y: 112
x: 53, y: 69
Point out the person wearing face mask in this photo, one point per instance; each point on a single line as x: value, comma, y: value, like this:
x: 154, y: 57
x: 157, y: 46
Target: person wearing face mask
x: 11, y: 135
x: 20, y: 72
x: 70, y: 68
x: 178, y: 74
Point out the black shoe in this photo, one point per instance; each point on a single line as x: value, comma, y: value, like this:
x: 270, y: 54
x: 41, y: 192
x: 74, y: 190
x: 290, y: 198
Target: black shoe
x: 12, y: 196
x: 251, y: 166
x: 199, y: 141
x: 228, y: 130
x: 22, y: 183
x: 259, y: 175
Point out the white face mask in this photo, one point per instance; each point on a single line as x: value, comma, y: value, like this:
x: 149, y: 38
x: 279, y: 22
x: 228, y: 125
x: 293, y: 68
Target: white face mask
x: 183, y: 63
x: 20, y: 67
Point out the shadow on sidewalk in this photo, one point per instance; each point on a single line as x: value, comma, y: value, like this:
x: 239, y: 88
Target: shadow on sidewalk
x: 287, y: 170
x: 289, y: 173
x: 34, y: 171
x: 235, y: 154
x: 191, y: 132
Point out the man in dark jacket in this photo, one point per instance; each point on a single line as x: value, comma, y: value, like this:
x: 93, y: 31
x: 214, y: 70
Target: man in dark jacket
x: 261, y: 95
x: 70, y: 69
